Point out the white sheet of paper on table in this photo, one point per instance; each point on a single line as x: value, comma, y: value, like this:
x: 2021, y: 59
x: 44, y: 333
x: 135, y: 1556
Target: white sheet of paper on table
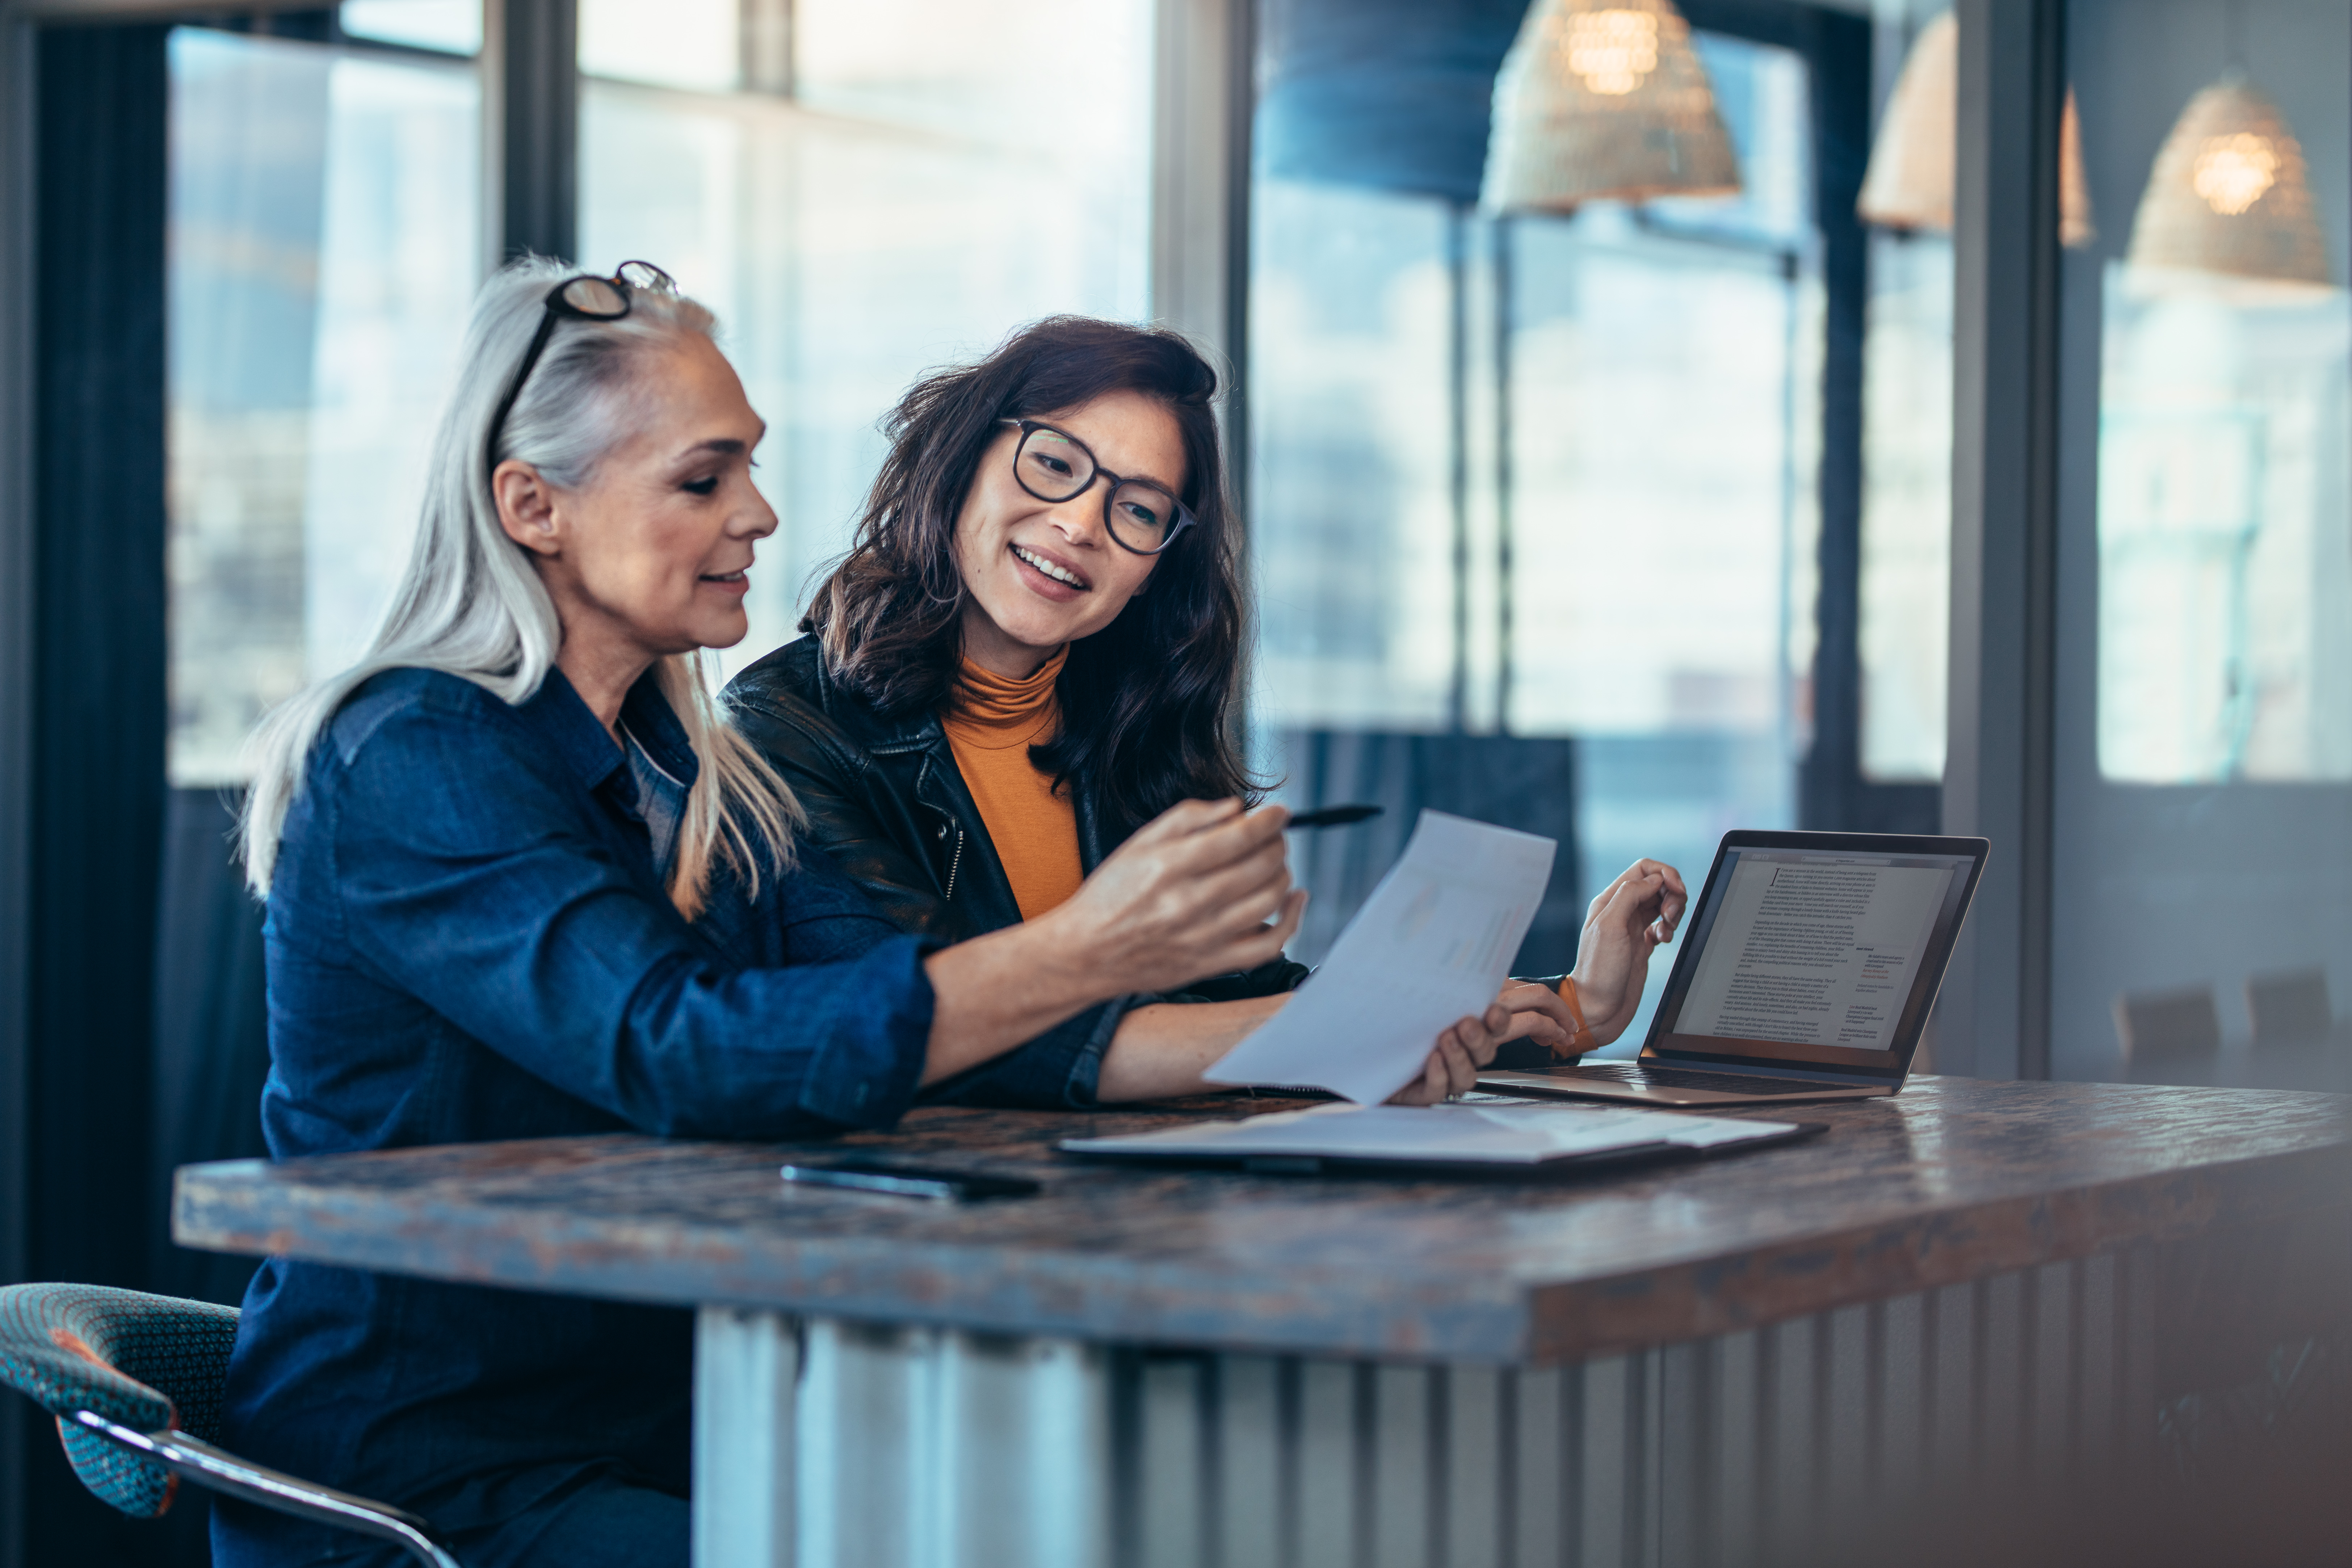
x: 1433, y: 945
x: 1479, y: 1134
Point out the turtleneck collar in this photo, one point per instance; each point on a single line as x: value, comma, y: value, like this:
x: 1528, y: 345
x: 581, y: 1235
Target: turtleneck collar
x: 1011, y: 712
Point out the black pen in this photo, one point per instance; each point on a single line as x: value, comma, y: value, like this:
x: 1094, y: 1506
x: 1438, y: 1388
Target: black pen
x: 1334, y: 817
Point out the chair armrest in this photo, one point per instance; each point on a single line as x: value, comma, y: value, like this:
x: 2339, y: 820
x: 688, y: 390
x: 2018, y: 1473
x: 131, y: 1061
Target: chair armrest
x: 221, y: 1472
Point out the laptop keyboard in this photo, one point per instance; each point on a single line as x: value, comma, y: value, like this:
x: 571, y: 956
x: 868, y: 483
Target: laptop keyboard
x: 1689, y: 1078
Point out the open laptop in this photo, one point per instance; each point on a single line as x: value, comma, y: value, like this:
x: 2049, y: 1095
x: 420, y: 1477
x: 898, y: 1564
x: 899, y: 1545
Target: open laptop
x: 1806, y: 971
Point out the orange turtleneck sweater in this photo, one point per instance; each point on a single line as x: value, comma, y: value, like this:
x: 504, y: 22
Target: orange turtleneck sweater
x: 991, y: 727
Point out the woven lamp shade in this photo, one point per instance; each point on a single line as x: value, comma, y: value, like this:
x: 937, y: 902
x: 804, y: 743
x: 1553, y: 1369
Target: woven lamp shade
x: 2229, y: 195
x: 1914, y: 162
x: 1604, y: 100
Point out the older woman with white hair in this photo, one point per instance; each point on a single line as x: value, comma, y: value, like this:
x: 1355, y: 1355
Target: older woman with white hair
x: 525, y: 880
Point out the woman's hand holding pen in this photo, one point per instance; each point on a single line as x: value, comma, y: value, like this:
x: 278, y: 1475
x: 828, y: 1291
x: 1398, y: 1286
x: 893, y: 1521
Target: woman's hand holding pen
x: 1203, y: 889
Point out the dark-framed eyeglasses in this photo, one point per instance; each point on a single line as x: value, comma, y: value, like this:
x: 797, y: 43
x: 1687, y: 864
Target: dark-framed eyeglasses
x: 1055, y: 466
x: 586, y: 298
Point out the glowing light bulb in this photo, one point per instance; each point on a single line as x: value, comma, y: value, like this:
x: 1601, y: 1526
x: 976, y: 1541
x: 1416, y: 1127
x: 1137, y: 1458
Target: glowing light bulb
x: 2232, y: 172
x: 1613, y: 50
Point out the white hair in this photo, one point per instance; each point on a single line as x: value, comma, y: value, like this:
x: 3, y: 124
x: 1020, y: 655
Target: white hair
x: 471, y: 603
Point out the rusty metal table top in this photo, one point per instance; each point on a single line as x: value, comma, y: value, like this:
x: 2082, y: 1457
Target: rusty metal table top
x: 1952, y: 1180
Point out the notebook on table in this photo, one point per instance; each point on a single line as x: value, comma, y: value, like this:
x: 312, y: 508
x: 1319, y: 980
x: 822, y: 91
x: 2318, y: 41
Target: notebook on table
x: 1807, y: 970
x: 1495, y: 1137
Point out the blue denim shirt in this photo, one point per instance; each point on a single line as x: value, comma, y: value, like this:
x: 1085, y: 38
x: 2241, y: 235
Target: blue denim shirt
x: 469, y: 939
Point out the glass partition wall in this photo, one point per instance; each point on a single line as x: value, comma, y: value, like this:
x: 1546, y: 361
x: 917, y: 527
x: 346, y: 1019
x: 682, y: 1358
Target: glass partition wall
x: 1558, y: 508
x: 2203, y: 789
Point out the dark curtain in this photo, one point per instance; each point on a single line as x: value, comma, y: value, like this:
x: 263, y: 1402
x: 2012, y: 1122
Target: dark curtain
x: 99, y: 707
x: 212, y: 1027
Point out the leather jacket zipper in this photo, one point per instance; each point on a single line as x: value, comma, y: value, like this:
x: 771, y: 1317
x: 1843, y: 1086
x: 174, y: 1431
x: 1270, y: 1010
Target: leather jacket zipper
x: 952, y: 866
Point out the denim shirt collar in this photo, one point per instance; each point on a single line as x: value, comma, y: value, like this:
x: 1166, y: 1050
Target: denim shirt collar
x: 646, y: 714
x: 570, y: 730
x: 660, y: 765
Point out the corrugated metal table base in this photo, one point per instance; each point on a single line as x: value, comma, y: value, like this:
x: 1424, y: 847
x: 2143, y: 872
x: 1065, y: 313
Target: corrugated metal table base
x: 821, y: 1443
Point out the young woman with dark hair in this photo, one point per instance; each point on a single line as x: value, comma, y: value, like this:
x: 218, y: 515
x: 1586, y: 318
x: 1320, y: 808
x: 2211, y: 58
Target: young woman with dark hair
x: 1032, y: 650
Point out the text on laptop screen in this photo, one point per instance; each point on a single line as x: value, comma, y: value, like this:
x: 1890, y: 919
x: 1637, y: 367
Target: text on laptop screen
x: 1817, y: 949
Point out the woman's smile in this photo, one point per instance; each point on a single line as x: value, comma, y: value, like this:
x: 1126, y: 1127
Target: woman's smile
x: 737, y: 581
x: 1047, y: 575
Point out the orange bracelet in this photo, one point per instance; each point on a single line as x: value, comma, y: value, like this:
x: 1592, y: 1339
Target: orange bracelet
x: 1582, y: 1041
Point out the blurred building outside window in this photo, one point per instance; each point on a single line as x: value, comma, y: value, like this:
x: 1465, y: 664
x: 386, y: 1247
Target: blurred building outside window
x: 862, y: 191
x: 322, y: 234
x: 1907, y: 388
x: 1906, y: 506
x: 893, y: 188
x: 444, y: 26
x: 2225, y: 558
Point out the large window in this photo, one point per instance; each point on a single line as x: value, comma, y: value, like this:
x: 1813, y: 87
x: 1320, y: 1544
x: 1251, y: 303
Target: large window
x: 896, y: 189
x: 1906, y: 446
x: 323, y: 249
x: 1542, y: 489
x: 1906, y: 506
x: 866, y: 192
x: 2205, y: 584
x: 2225, y: 559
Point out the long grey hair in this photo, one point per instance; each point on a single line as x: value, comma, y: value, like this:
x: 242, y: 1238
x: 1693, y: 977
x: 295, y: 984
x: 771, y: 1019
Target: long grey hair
x: 472, y: 604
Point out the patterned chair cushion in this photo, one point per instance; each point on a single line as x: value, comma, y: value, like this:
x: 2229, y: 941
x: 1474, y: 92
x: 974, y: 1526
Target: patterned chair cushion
x: 144, y: 1361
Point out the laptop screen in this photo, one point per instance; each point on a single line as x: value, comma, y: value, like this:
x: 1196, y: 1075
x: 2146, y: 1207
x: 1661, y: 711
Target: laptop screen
x: 1820, y: 950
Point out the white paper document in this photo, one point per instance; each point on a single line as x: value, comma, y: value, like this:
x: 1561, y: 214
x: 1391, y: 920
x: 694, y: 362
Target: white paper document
x: 1463, y: 1134
x: 1431, y: 945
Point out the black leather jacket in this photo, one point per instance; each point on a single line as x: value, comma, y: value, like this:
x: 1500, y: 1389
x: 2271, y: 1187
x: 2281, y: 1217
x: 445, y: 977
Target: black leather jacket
x: 884, y: 799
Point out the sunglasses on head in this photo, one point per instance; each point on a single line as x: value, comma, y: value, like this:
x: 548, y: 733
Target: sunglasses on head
x: 586, y: 298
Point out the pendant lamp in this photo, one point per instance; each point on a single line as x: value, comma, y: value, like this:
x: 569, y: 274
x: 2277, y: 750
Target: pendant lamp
x: 2230, y: 198
x: 1913, y: 164
x: 1604, y: 99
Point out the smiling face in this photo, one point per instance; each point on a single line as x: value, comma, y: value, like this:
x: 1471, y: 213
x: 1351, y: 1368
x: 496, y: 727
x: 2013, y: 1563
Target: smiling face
x: 650, y: 556
x: 1041, y: 574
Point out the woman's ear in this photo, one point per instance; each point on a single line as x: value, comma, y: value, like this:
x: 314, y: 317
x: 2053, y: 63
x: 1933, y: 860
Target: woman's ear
x: 526, y: 505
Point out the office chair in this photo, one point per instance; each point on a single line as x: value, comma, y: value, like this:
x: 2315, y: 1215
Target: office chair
x: 135, y: 1383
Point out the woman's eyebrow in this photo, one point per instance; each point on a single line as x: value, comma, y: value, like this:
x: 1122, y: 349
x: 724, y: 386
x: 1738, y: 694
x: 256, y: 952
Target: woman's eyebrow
x: 722, y: 445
